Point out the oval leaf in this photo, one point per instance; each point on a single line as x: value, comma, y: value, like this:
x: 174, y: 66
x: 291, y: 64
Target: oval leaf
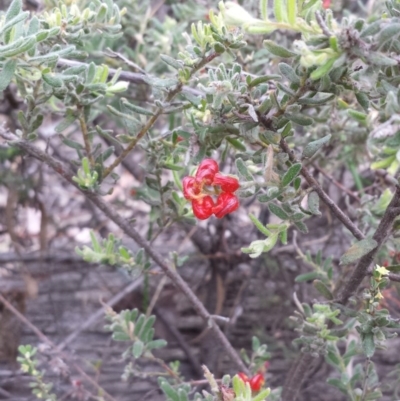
x: 291, y: 174
x: 357, y: 250
x: 312, y: 148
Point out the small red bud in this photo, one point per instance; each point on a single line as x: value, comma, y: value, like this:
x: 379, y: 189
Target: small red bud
x: 256, y: 382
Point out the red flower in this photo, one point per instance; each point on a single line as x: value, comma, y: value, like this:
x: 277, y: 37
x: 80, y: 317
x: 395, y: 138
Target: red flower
x: 256, y: 382
x: 226, y: 203
x: 208, y: 175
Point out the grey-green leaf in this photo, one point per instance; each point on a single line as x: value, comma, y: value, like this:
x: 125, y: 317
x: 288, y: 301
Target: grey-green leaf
x: 277, y: 50
x: 289, y: 73
x: 358, y: 250
x: 291, y: 174
x: 137, y: 349
x: 368, y: 344
x: 299, y: 119
x: 7, y: 73
x: 313, y: 203
x: 242, y: 169
x: 313, y: 147
x: 323, y: 289
x: 278, y: 211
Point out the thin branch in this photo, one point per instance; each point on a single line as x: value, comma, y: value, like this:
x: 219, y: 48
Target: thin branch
x: 128, y: 229
x: 132, y: 77
x: 394, y: 277
x: 86, y: 140
x: 324, y: 196
x: 382, y: 232
x: 160, y: 110
x: 47, y: 341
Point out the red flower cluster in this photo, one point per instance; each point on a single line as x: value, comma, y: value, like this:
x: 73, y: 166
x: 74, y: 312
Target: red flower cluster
x: 256, y: 382
x: 195, y: 189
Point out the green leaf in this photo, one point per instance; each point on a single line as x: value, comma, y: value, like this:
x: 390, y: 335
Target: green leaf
x: 307, y: 277
x: 260, y: 226
x: 155, y: 344
x: 19, y: 46
x: 137, y: 349
x: 311, y: 148
x: 53, y: 80
x: 301, y: 227
x: 280, y: 11
x: 277, y: 50
x: 7, y: 73
x: 264, y: 9
x: 171, y: 61
x: 136, y: 109
x: 242, y: 169
x: 394, y: 268
x: 357, y: 115
x: 323, y: 70
x: 291, y: 174
x: 363, y: 100
x: 289, y: 73
x: 169, y: 391
x: 313, y: 203
x: 14, y: 21
x: 368, y: 344
x: 338, y: 384
x: 236, y: 144
x: 315, y: 101
x: 358, y: 250
x: 292, y: 11
x: 387, y: 33
x: 323, y: 289
x: 299, y: 119
x: 278, y: 211
x: 263, y: 78
x: 381, y: 60
x: 65, y: 123
x: 262, y: 395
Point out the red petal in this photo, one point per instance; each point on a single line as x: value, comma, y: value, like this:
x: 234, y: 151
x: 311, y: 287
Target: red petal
x: 243, y: 377
x: 227, y: 183
x: 256, y: 382
x: 206, y: 171
x: 226, y: 203
x: 203, y: 207
x: 190, y: 188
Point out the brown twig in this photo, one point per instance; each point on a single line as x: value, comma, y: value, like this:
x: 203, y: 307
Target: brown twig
x: 324, y: 196
x: 151, y: 121
x: 132, y: 233
x: 382, y: 232
x: 132, y: 77
x: 85, y: 136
